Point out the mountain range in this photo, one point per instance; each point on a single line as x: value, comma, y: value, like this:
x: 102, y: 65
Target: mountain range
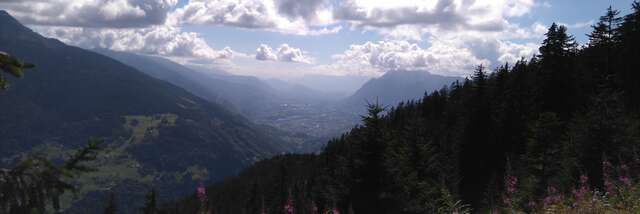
x: 155, y: 133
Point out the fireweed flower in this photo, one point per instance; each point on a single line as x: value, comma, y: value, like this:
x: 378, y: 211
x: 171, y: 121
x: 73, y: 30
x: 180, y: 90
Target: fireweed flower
x: 314, y: 208
x: 510, y: 183
x: 201, y: 192
x: 606, y: 175
x: 288, y: 207
x: 552, y: 196
x: 583, y: 189
x: 335, y: 211
x: 625, y: 180
x: 624, y: 175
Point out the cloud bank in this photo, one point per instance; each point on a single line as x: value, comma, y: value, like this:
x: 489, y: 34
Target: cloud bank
x: 158, y: 40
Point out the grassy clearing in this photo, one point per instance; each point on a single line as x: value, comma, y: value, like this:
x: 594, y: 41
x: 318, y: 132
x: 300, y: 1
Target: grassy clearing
x: 142, y: 126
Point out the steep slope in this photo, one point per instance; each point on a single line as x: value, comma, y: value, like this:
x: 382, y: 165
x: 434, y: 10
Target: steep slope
x: 238, y: 93
x: 396, y: 86
x: 154, y: 130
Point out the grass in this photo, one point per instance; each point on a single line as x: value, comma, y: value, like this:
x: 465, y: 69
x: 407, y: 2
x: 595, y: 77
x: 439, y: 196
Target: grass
x: 115, y: 164
x: 142, y: 126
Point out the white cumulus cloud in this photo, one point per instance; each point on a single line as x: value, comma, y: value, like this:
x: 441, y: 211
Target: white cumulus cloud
x: 157, y: 40
x: 441, y: 57
x: 302, y: 17
x: 90, y: 13
x: 284, y: 53
x: 265, y: 53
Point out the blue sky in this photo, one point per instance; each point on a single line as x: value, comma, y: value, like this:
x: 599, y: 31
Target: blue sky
x: 288, y: 39
x: 574, y: 12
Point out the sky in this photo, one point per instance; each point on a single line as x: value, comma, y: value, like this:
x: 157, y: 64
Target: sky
x: 288, y: 39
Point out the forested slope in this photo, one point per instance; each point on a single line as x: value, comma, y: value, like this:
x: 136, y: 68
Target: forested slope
x: 531, y: 136
x: 156, y: 133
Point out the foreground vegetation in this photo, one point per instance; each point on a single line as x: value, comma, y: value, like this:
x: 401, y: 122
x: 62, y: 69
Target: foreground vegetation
x: 558, y: 133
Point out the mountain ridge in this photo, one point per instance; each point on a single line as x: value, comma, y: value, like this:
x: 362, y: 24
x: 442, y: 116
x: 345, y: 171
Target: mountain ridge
x: 397, y: 86
x: 160, y: 133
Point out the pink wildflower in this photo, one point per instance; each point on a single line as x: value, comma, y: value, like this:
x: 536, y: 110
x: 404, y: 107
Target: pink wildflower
x: 583, y: 189
x: 606, y: 175
x: 624, y: 175
x: 625, y: 180
x: 201, y: 192
x: 314, y: 208
x: 288, y: 207
x: 335, y: 211
x: 510, y: 183
x: 552, y: 196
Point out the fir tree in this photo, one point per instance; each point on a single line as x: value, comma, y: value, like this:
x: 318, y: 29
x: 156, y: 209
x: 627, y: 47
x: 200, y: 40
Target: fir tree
x: 605, y: 32
x: 110, y: 206
x: 13, y: 66
x: 150, y: 204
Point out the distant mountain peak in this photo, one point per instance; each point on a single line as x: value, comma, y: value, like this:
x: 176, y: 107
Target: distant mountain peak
x: 12, y: 30
x: 7, y: 20
x: 398, y: 85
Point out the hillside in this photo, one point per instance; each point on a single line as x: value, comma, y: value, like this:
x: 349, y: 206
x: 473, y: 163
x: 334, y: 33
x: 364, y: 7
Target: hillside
x: 236, y: 93
x: 558, y: 133
x: 158, y: 134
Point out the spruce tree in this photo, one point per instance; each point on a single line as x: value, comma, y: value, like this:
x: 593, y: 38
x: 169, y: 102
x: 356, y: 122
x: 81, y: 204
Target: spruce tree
x: 368, y: 192
x: 150, y: 204
x: 544, y: 152
x: 557, y: 71
x: 629, y: 75
x: 13, y: 66
x: 110, y: 205
x: 605, y: 32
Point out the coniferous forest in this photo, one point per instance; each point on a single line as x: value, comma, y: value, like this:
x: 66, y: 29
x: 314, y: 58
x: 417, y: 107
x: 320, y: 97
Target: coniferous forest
x: 558, y: 133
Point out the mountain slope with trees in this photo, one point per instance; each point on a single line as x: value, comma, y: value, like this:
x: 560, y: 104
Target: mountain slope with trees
x: 156, y: 134
x: 396, y: 86
x: 536, y: 136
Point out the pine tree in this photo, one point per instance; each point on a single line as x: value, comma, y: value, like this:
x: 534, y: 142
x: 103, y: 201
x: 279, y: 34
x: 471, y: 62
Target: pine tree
x: 368, y: 192
x: 13, y: 66
x: 605, y: 32
x: 558, y: 43
x: 629, y: 74
x: 557, y: 71
x: 604, y: 38
x: 150, y: 204
x: 35, y: 182
x: 110, y: 206
x: 544, y: 152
